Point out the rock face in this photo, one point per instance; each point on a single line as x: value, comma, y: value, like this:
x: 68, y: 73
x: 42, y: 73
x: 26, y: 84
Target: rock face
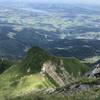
x: 56, y: 71
x: 77, y: 87
x: 95, y: 72
x: 74, y: 87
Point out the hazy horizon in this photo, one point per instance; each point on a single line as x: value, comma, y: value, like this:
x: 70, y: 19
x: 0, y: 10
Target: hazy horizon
x: 91, y: 2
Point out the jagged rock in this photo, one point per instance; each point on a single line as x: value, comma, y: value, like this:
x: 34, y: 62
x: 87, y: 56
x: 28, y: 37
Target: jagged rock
x: 77, y: 87
x: 95, y: 73
x: 62, y: 77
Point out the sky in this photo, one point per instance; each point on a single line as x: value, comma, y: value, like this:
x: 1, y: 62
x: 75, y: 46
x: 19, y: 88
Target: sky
x: 60, y: 1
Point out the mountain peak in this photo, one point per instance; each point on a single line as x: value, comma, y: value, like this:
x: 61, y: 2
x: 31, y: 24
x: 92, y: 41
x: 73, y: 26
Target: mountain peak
x: 34, y: 59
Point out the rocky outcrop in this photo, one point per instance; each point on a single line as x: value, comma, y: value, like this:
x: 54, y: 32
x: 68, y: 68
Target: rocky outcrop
x: 73, y: 88
x: 57, y: 72
x: 95, y: 73
x: 76, y: 88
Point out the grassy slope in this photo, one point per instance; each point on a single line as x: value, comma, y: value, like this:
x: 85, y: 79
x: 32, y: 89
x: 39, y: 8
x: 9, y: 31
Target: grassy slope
x: 90, y: 94
x: 75, y: 67
x: 16, y: 80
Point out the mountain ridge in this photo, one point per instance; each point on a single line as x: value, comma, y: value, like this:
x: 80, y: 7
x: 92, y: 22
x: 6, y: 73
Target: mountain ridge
x: 39, y: 70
